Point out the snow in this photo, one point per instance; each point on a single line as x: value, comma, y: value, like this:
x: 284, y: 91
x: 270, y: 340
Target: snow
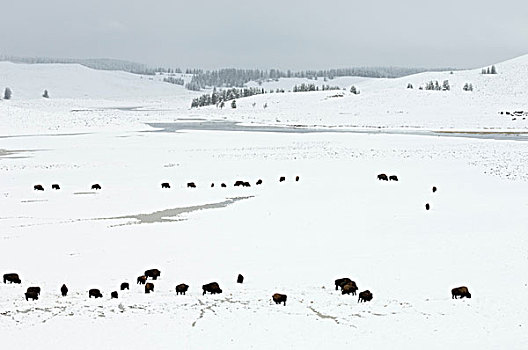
x: 293, y: 237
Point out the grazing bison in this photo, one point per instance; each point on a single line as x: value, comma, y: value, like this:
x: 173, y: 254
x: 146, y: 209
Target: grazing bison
x: 246, y: 184
x: 282, y: 178
x: 55, y: 187
x: 12, y: 278
x: 365, y: 296
x: 38, y: 188
x: 434, y: 189
x: 149, y: 287
x: 259, y: 182
x: 383, y: 177
x: 34, y: 290
x: 96, y: 293
x: 223, y: 185
x: 393, y: 178
x: 296, y: 178
x: 239, y: 183
x: 113, y: 295
x: 153, y: 273
x: 212, y: 288
x: 349, y: 288
x: 181, y: 288
x: 240, y: 278
x: 124, y: 286
x: 427, y: 206
x: 96, y: 187
x: 64, y: 290
x: 141, y: 280
x: 340, y: 282
x: 191, y: 185
x: 31, y: 295
x: 165, y: 185
x: 279, y: 298
x: 460, y: 292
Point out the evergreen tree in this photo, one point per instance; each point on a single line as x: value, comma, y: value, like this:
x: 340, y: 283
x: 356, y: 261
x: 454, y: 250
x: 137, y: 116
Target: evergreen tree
x: 409, y: 86
x: 7, y: 93
x: 445, y: 85
x: 222, y: 104
x: 45, y: 94
x: 233, y: 104
x: 493, y: 70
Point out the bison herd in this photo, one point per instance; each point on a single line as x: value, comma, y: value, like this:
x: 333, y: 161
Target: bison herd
x: 384, y: 177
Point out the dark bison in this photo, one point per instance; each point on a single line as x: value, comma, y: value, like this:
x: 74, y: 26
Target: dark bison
x: 279, y: 298
x: 153, y: 273
x: 282, y: 178
x: 124, y: 286
x: 365, y: 296
x: 165, y: 185
x: 239, y: 183
x: 393, y: 178
x: 296, y: 178
x: 12, y: 278
x: 427, y: 206
x: 340, y: 282
x: 259, y: 182
x: 434, y: 189
x: 55, y: 187
x: 113, y: 295
x: 383, y: 177
x: 460, y: 292
x: 149, y: 287
x: 191, y: 185
x: 96, y: 293
x: 38, y: 188
x: 181, y: 288
x: 240, y: 278
x: 223, y: 185
x: 64, y: 290
x: 212, y: 288
x: 141, y: 280
x: 246, y: 184
x: 34, y: 290
x: 31, y: 295
x: 96, y: 187
x: 349, y: 288
x: 212, y: 184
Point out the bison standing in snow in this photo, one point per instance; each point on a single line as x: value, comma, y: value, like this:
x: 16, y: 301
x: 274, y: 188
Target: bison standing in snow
x: 181, y: 288
x: 96, y: 187
x: 12, y: 278
x: 64, y: 290
x: 165, y: 185
x: 212, y: 288
x: 191, y: 185
x: 349, y: 288
x: 31, y: 295
x: 113, y: 295
x: 124, y: 286
x: 38, y: 188
x: 460, y: 292
x: 149, y: 287
x: 365, y: 296
x: 383, y: 177
x: 393, y: 178
x: 340, y: 282
x: 153, y: 273
x: 34, y: 290
x: 141, y: 280
x: 282, y: 178
x: 279, y: 298
x: 96, y: 293
x: 55, y: 187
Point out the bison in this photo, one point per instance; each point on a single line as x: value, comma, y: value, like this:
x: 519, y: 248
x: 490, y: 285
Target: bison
x: 349, y: 288
x: 64, y: 290
x: 12, y: 278
x: 460, y: 292
x: 383, y: 177
x: 246, y: 184
x: 31, y: 295
x: 340, y: 282
x: 96, y: 293
x: 239, y: 183
x: 240, y: 278
x: 434, y: 189
x: 191, y: 185
x: 141, y: 280
x: 212, y: 288
x: 212, y: 185
x: 223, y: 185
x: 34, y: 290
x: 153, y: 273
x: 259, y: 182
x: 149, y: 287
x: 181, y: 288
x: 124, y: 286
x: 393, y: 178
x: 279, y: 298
x: 296, y: 178
x: 282, y: 178
x: 365, y: 296
x: 38, y: 188
x: 113, y: 295
x: 165, y: 185
x: 55, y: 187
x: 96, y: 187
x: 427, y: 206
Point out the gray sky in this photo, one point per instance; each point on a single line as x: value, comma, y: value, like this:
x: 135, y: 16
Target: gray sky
x: 270, y: 33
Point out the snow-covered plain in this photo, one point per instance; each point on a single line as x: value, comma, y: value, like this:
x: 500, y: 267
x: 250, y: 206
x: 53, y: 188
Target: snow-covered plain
x: 292, y: 237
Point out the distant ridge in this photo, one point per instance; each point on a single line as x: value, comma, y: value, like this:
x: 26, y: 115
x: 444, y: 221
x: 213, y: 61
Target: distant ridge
x: 94, y: 63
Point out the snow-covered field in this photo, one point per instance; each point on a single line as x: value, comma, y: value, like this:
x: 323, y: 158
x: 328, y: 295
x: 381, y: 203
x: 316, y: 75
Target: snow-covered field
x: 292, y: 237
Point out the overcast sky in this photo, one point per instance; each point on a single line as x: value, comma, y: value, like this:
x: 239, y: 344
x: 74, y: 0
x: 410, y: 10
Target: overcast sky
x: 269, y: 33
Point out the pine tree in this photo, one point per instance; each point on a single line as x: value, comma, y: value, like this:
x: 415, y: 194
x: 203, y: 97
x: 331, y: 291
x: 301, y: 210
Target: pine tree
x: 7, y: 93
x: 493, y: 70
x: 45, y: 94
x: 222, y: 104
x: 409, y: 86
x: 445, y: 85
